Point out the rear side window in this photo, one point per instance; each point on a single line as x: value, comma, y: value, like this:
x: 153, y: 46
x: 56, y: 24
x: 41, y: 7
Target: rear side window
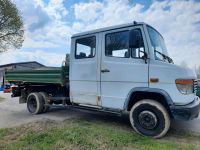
x: 85, y: 47
x: 117, y: 44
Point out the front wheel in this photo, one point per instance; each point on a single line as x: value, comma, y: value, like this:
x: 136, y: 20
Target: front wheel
x: 149, y: 118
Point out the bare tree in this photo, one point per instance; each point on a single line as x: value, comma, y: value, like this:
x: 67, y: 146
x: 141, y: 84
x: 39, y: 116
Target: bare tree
x: 11, y: 26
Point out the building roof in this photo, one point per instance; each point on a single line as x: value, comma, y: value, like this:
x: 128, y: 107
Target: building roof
x: 21, y: 63
x: 108, y: 28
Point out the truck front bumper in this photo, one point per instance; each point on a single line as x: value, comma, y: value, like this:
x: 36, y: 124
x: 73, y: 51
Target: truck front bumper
x: 186, y: 112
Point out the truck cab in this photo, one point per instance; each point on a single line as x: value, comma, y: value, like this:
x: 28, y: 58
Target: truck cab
x: 118, y: 69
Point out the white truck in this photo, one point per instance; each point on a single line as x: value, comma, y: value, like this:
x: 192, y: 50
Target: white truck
x: 124, y: 68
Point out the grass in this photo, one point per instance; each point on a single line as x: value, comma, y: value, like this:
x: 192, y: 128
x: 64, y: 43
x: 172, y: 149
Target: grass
x: 86, y: 135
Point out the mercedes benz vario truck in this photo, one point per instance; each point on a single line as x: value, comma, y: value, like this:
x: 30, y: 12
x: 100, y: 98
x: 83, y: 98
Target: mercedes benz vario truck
x: 124, y: 68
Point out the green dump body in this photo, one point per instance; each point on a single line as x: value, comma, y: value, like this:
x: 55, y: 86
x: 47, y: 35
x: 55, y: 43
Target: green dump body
x: 47, y: 75
x: 198, y: 89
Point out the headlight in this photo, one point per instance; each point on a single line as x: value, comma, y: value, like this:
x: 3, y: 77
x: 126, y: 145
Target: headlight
x: 185, y: 86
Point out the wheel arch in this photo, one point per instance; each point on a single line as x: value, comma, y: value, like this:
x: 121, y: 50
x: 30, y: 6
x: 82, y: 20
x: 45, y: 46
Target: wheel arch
x: 156, y: 94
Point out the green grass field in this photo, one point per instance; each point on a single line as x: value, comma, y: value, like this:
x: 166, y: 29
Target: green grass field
x: 86, y: 135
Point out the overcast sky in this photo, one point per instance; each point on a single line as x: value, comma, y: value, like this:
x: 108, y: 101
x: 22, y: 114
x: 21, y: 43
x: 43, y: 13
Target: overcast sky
x: 49, y: 25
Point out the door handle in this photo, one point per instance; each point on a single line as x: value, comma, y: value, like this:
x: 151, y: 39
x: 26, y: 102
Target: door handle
x: 105, y: 70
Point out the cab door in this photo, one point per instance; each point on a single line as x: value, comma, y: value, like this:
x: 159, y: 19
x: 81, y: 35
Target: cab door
x: 122, y: 68
x: 83, y: 70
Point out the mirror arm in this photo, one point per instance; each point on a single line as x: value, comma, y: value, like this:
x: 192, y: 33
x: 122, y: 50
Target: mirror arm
x: 145, y: 57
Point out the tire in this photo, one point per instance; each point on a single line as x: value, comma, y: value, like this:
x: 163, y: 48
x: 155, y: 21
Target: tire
x: 44, y: 96
x: 35, y: 103
x: 149, y: 118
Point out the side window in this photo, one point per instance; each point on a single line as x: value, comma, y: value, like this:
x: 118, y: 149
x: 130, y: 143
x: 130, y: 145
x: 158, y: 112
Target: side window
x: 117, y: 44
x: 85, y: 47
x: 138, y: 51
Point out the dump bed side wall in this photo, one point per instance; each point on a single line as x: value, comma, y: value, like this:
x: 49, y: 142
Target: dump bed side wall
x: 54, y: 76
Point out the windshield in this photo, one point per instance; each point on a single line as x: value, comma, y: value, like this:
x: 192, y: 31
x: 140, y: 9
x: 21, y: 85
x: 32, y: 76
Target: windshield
x: 158, y: 45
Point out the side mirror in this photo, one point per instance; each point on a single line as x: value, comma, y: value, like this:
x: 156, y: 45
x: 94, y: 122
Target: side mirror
x: 135, y: 38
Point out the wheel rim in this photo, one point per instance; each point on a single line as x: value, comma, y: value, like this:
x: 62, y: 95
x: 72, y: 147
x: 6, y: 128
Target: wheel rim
x: 32, y: 105
x: 147, y: 120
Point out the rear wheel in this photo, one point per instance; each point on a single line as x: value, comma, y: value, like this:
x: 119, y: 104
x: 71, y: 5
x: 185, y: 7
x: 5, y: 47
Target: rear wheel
x: 35, y: 103
x: 44, y: 96
x: 149, y: 118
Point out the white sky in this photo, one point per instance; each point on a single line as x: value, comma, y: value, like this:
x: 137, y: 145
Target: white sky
x: 49, y: 25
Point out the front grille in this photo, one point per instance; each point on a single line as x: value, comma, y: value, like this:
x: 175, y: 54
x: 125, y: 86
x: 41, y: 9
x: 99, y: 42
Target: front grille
x: 195, y: 83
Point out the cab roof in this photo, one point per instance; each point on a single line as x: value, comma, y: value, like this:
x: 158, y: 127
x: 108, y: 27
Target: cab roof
x: 108, y: 28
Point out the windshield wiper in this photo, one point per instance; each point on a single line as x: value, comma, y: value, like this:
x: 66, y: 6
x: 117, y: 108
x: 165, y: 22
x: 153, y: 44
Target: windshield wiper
x: 165, y: 56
